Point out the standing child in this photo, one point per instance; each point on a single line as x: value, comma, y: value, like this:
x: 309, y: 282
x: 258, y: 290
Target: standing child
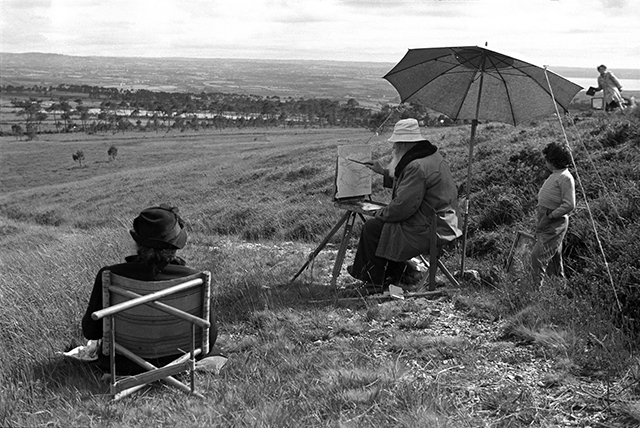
x: 556, y: 199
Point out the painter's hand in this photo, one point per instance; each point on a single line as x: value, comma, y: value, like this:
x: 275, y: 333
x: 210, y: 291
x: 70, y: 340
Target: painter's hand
x: 375, y: 166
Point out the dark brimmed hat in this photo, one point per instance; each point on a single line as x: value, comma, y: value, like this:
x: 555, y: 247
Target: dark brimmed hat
x: 159, y: 227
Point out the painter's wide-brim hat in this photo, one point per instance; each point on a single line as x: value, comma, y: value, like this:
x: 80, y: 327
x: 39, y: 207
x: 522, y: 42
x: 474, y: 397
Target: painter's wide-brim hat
x: 406, y: 131
x: 160, y: 228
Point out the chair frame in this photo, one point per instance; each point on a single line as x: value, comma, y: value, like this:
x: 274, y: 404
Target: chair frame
x: 115, y: 285
x: 434, y: 260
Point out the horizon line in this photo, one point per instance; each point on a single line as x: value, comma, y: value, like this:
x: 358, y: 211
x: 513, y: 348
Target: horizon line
x: 252, y: 59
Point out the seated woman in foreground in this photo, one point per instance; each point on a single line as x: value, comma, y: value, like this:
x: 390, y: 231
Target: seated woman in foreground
x: 158, y: 232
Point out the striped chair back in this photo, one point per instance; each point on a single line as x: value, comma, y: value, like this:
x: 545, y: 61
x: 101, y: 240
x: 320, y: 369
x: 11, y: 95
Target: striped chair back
x: 148, y: 331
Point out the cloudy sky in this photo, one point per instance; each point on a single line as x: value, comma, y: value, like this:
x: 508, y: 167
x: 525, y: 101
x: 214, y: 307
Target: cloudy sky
x: 582, y: 33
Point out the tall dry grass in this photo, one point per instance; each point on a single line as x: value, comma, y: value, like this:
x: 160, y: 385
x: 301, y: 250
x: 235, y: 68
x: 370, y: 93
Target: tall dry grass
x: 256, y: 205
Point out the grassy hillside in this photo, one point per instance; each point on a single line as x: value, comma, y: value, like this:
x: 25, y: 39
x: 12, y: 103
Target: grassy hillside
x: 491, y: 353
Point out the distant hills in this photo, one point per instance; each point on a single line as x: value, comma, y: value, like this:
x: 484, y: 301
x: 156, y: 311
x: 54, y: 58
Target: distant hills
x: 336, y: 80
x: 307, y: 79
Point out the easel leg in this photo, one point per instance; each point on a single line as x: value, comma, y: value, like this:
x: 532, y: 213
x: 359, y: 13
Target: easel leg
x: 433, y: 265
x: 433, y: 252
x: 432, y: 273
x: 322, y: 244
x: 348, y: 228
x: 448, y: 274
x: 431, y: 276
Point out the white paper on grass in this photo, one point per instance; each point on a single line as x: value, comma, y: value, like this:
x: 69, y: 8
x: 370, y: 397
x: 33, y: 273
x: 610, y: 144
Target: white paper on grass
x: 88, y: 352
x: 396, y: 292
x: 212, y: 364
x: 352, y: 178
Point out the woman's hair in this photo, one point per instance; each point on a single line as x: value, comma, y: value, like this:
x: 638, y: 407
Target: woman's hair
x: 558, y: 155
x: 155, y: 258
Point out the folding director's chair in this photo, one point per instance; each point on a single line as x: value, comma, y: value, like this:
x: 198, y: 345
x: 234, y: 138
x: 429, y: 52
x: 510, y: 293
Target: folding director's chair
x: 155, y: 319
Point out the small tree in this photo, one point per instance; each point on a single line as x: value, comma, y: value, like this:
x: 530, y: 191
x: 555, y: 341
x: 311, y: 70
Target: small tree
x: 54, y: 108
x: 17, y: 131
x: 31, y: 132
x: 112, y: 152
x: 78, y: 157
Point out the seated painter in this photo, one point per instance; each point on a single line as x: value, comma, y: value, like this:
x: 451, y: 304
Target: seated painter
x: 422, y: 183
x: 158, y: 232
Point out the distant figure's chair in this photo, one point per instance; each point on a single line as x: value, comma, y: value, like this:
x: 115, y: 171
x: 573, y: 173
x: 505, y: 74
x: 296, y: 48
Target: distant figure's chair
x: 434, y: 262
x: 155, y: 319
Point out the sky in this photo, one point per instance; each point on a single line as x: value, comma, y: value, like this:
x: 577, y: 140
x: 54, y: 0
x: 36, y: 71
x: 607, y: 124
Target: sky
x: 571, y: 33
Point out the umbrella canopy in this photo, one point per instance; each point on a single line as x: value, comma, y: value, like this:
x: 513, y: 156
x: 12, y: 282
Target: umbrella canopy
x: 476, y: 83
x: 471, y: 82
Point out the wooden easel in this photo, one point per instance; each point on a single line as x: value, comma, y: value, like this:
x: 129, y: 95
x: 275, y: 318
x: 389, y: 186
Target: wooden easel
x: 426, y: 287
x: 348, y: 219
x: 352, y: 202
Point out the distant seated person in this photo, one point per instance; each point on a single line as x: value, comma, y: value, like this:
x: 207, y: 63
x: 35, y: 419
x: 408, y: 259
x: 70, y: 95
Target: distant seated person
x: 158, y: 232
x: 422, y: 183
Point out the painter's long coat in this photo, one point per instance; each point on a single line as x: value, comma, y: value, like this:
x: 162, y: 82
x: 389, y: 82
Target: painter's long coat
x: 424, y: 185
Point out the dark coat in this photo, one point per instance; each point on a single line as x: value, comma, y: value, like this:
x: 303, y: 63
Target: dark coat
x: 425, y: 184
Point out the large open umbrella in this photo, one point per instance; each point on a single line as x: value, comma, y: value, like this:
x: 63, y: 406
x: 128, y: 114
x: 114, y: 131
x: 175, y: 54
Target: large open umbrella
x: 471, y: 82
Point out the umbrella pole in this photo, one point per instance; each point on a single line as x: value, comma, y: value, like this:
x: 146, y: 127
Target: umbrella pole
x: 472, y: 139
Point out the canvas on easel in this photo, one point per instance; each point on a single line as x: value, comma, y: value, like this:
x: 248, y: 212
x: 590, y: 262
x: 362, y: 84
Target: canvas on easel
x: 353, y: 194
x: 353, y: 179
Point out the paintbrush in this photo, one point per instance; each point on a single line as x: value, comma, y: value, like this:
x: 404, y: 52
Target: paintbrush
x: 360, y: 162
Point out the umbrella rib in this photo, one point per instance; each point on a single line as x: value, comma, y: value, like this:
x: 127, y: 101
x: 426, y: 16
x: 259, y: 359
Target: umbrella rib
x: 419, y: 88
x: 548, y: 91
x: 394, y: 71
x: 450, y: 71
x: 508, y: 92
x: 513, y: 115
x: 540, y: 85
x: 455, y: 65
x: 465, y: 92
x: 470, y: 82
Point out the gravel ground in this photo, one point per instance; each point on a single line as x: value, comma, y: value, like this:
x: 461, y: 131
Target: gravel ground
x: 489, y: 378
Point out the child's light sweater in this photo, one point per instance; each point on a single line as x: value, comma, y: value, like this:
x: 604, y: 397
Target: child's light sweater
x: 558, y: 193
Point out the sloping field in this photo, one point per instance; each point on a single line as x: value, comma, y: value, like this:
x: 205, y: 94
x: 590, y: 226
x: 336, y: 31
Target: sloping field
x: 495, y: 352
